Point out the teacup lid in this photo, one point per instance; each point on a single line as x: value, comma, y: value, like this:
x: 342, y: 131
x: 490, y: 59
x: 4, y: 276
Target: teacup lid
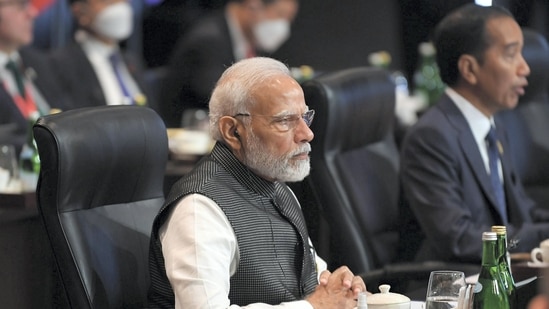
x: 386, y: 297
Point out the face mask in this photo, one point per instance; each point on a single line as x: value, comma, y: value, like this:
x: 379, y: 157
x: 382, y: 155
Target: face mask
x: 115, y: 21
x: 270, y: 34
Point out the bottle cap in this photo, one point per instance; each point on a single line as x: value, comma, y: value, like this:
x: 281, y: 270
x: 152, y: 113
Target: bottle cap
x: 489, y: 236
x: 499, y: 229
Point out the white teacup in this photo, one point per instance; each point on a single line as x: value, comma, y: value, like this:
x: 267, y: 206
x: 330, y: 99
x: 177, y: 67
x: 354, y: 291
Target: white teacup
x: 541, y: 252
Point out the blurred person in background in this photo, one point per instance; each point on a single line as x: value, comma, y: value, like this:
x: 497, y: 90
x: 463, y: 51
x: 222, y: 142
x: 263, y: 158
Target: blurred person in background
x: 28, y: 87
x: 457, y: 174
x: 243, y: 29
x: 93, y: 68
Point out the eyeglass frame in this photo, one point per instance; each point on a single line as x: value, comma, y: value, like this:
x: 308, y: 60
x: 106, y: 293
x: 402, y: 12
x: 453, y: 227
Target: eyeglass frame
x: 307, y: 117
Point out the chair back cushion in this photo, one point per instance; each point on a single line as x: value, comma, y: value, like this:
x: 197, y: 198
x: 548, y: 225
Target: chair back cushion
x: 354, y: 164
x: 100, y: 187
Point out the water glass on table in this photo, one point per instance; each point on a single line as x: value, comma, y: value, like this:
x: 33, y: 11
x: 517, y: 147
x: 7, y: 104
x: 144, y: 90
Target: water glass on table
x: 9, y: 170
x: 443, y: 291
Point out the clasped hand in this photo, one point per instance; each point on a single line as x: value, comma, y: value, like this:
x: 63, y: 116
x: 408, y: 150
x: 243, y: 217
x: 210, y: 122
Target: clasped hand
x: 339, y: 289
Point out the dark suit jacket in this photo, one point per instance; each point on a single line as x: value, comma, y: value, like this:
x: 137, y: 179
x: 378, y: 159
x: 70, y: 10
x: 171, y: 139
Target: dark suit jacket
x: 446, y: 185
x: 13, y: 126
x: 198, y: 60
x: 75, y: 72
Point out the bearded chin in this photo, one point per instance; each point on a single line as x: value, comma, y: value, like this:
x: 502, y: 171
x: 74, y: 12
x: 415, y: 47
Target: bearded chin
x: 282, y: 169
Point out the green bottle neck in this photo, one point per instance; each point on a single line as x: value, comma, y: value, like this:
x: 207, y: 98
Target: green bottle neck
x: 489, y: 256
x: 502, y: 246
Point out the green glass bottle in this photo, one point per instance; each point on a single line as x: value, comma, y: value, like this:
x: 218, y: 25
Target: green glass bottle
x: 29, y: 160
x: 504, y: 266
x: 427, y: 83
x: 489, y: 290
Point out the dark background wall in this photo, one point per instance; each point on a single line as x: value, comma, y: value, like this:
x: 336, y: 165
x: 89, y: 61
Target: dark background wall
x: 335, y: 34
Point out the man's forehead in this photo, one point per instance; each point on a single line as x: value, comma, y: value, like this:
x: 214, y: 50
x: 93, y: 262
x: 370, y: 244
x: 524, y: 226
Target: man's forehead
x: 279, y: 95
x: 276, y: 85
x: 504, y: 32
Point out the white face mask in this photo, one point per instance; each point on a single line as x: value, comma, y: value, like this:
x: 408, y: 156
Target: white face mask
x: 270, y: 34
x: 115, y: 21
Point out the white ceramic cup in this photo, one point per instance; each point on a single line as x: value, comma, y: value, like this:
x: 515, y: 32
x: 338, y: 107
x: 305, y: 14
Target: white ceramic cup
x: 540, y: 255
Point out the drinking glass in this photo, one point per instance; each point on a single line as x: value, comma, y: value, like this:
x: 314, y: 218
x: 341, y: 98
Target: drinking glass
x: 9, y: 170
x: 195, y: 119
x: 444, y: 288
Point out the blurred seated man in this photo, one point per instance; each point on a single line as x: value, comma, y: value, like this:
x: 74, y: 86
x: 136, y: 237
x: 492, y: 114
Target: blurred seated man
x: 457, y: 174
x: 232, y: 233
x: 243, y: 29
x: 93, y: 69
x: 28, y: 88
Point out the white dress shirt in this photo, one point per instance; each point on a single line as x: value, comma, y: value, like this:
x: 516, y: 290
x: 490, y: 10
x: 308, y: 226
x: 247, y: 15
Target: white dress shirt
x: 98, y: 53
x: 7, y: 76
x: 479, y: 123
x: 201, y: 254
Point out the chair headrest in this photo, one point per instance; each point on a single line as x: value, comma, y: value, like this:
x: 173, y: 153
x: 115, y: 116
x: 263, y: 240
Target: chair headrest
x: 354, y: 107
x: 536, y: 54
x: 121, y: 150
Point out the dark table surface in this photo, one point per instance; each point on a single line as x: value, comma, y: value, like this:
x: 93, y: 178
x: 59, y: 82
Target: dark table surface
x: 27, y: 268
x: 28, y: 274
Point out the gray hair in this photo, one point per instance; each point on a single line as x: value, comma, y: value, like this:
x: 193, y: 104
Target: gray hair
x: 234, y: 90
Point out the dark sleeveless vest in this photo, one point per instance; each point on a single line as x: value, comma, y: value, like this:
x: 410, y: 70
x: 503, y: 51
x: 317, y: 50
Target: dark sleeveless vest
x: 272, y: 267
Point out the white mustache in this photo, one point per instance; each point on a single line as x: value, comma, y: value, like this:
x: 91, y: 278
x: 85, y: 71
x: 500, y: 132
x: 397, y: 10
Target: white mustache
x: 302, y: 149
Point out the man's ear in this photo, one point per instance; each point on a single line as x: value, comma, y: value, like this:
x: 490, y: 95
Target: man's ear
x: 229, y: 128
x: 468, y: 67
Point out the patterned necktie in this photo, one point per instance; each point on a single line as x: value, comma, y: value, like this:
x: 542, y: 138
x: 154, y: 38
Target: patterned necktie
x: 18, y: 77
x: 115, y: 60
x: 290, y: 209
x: 493, y: 157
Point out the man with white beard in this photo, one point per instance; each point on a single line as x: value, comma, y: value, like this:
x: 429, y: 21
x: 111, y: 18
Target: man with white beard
x: 231, y: 233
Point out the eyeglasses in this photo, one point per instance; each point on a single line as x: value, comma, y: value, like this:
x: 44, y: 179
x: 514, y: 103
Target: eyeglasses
x: 287, y: 122
x: 20, y: 4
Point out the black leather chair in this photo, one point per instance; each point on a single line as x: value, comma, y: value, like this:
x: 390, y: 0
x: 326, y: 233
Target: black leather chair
x: 99, y: 190
x: 355, y: 180
x: 528, y: 124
